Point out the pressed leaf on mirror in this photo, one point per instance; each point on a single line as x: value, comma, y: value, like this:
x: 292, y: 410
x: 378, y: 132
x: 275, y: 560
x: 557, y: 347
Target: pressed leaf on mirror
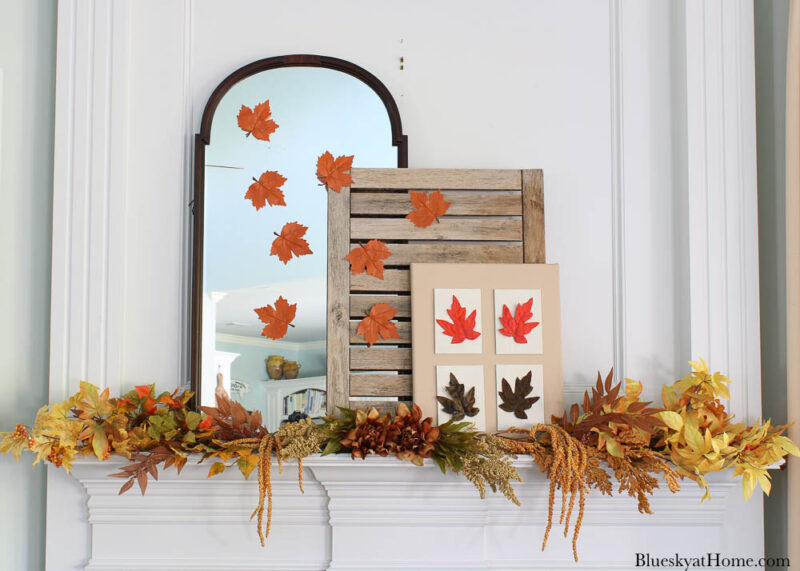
x: 290, y: 242
x: 461, y: 402
x: 518, y: 401
x: 368, y: 257
x: 334, y: 174
x: 267, y: 190
x: 278, y: 319
x: 257, y: 121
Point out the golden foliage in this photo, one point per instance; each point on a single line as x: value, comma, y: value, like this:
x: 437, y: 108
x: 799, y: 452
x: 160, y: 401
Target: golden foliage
x: 701, y: 438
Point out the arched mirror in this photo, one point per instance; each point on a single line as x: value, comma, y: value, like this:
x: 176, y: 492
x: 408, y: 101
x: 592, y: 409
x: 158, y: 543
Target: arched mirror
x: 265, y: 127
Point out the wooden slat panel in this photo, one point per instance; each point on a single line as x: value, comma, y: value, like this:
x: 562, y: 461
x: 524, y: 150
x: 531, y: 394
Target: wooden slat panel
x: 382, y: 406
x: 403, y: 328
x: 393, y: 280
x: 366, y: 385
x: 446, y: 229
x: 417, y: 179
x: 379, y: 358
x: 338, y: 359
x: 462, y: 203
x: 361, y: 304
x: 533, y: 216
x: 404, y: 254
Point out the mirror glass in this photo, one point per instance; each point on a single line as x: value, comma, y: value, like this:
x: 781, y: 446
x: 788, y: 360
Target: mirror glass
x: 316, y: 110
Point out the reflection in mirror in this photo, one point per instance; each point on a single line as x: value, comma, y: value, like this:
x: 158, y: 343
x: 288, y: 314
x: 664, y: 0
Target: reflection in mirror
x: 316, y: 110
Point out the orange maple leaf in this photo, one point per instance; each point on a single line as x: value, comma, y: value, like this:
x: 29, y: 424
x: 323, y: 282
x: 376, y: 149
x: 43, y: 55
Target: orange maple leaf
x: 369, y: 257
x: 267, y: 189
x: 290, y: 241
x: 334, y: 174
x: 377, y: 323
x: 462, y: 327
x: 277, y: 319
x: 518, y: 326
x: 428, y: 207
x: 257, y: 121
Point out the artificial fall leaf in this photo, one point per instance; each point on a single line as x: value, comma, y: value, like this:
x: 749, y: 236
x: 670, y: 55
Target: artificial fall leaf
x: 377, y: 323
x: 518, y: 326
x: 257, y: 121
x: 461, y: 402
x: 290, y: 242
x: 517, y: 401
x: 369, y: 257
x: 267, y: 189
x: 427, y: 207
x: 277, y: 319
x: 334, y: 173
x: 461, y: 327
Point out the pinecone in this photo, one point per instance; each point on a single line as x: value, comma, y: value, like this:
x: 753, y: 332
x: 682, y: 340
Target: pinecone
x: 410, y: 439
x: 369, y: 435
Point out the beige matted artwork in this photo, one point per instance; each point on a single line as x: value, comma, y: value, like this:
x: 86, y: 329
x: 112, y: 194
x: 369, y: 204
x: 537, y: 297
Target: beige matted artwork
x: 510, y: 315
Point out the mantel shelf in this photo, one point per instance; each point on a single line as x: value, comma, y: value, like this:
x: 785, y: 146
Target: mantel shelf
x: 381, y: 513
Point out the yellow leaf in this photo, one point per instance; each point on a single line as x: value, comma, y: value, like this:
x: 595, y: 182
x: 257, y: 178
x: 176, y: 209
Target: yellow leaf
x: 633, y: 389
x: 614, y: 448
x: 748, y: 484
x: 786, y: 445
x: 692, y: 435
x: 216, y: 468
x: 763, y: 479
x: 670, y: 418
x: 246, y: 466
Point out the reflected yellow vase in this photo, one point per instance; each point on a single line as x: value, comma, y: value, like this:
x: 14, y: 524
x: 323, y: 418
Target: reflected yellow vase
x: 275, y: 366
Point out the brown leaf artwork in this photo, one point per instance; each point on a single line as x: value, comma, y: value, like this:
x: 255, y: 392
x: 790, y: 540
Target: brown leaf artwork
x: 518, y: 401
x: 461, y: 402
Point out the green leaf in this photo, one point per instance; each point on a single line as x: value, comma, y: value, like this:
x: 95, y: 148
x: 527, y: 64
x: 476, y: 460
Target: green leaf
x: 332, y: 447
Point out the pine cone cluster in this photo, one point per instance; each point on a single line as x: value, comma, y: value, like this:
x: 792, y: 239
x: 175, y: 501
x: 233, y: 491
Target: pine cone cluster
x: 406, y: 435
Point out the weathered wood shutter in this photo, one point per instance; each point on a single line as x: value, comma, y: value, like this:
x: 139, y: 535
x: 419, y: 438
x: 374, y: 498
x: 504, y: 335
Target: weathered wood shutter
x: 496, y: 216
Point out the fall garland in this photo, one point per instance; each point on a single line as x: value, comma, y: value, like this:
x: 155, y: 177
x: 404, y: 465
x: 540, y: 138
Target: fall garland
x: 610, y: 433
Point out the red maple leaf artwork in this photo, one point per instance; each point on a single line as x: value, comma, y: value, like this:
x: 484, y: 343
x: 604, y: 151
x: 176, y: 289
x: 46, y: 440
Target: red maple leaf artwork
x: 460, y: 327
x: 518, y: 326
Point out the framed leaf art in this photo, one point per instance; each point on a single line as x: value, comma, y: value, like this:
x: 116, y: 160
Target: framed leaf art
x: 511, y: 314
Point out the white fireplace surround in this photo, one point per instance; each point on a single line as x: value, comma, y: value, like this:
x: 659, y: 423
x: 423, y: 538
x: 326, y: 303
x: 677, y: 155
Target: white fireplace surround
x: 642, y: 116
x: 381, y: 514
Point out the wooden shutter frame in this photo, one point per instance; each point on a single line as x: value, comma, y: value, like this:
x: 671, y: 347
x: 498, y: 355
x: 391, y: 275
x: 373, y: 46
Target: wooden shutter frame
x: 381, y: 213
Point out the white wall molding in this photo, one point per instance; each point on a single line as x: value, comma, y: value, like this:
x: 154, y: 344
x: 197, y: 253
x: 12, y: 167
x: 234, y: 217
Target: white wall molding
x: 723, y: 214
x: 354, y: 515
x: 617, y: 186
x: 89, y: 193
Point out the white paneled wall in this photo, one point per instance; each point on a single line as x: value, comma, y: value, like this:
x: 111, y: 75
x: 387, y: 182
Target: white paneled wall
x: 641, y: 115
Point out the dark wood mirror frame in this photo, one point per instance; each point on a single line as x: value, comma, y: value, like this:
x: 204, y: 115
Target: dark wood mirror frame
x: 203, y: 138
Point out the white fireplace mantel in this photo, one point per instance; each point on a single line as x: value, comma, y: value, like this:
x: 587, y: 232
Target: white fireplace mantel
x: 380, y: 514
